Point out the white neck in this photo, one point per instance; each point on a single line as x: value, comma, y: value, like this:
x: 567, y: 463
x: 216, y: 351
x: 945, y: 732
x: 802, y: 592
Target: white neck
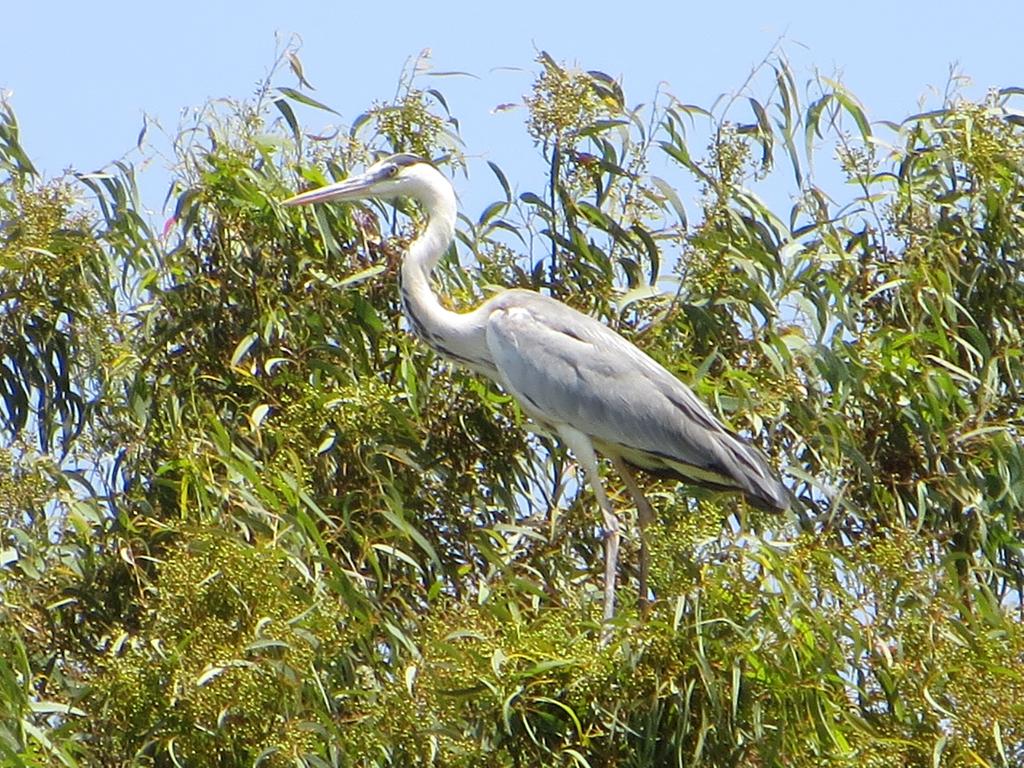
x: 452, y: 334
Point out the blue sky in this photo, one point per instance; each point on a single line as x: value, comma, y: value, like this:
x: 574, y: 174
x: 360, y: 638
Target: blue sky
x: 81, y: 75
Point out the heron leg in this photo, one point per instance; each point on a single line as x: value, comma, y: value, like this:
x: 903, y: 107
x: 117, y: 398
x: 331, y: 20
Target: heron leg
x: 583, y: 450
x: 644, y: 515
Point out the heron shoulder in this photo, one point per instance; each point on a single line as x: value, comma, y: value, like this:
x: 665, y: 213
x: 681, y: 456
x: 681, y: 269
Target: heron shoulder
x: 558, y: 317
x: 608, y: 350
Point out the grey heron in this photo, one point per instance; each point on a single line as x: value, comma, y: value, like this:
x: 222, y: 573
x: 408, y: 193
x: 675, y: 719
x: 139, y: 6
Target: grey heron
x: 571, y: 374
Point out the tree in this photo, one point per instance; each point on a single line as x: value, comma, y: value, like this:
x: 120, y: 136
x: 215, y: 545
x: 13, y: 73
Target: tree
x: 249, y: 520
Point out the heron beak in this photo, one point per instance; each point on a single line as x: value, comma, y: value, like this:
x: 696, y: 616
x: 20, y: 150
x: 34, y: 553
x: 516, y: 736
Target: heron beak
x: 354, y: 188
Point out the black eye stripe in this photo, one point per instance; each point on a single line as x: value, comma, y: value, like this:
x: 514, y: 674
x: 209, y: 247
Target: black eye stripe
x: 404, y: 158
x: 390, y: 167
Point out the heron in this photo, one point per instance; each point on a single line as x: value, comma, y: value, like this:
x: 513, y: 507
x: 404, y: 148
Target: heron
x: 571, y: 374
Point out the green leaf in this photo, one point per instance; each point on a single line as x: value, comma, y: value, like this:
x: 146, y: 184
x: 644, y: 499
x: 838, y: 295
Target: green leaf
x: 285, y: 109
x: 502, y: 179
x: 259, y: 415
x: 243, y: 348
x: 302, y: 98
x: 853, y: 107
x: 670, y: 194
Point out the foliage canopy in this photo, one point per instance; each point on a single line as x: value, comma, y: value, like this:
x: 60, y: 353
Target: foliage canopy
x: 247, y: 519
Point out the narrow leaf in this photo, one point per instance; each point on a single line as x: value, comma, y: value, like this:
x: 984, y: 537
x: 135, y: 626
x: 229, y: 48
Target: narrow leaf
x: 302, y: 98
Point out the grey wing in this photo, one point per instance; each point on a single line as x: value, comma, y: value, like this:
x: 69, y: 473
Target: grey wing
x: 567, y: 368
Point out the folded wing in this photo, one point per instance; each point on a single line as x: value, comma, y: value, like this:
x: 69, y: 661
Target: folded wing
x: 566, y: 367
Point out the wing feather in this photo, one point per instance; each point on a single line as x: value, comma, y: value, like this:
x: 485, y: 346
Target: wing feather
x: 566, y: 367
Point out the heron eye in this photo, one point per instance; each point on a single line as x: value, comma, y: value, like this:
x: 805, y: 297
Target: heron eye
x: 392, y: 171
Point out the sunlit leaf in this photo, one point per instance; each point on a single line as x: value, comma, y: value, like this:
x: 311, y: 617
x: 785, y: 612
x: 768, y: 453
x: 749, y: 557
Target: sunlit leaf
x: 303, y: 98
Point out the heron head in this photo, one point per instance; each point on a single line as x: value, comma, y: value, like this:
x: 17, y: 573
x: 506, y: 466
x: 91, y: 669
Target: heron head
x: 402, y: 175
